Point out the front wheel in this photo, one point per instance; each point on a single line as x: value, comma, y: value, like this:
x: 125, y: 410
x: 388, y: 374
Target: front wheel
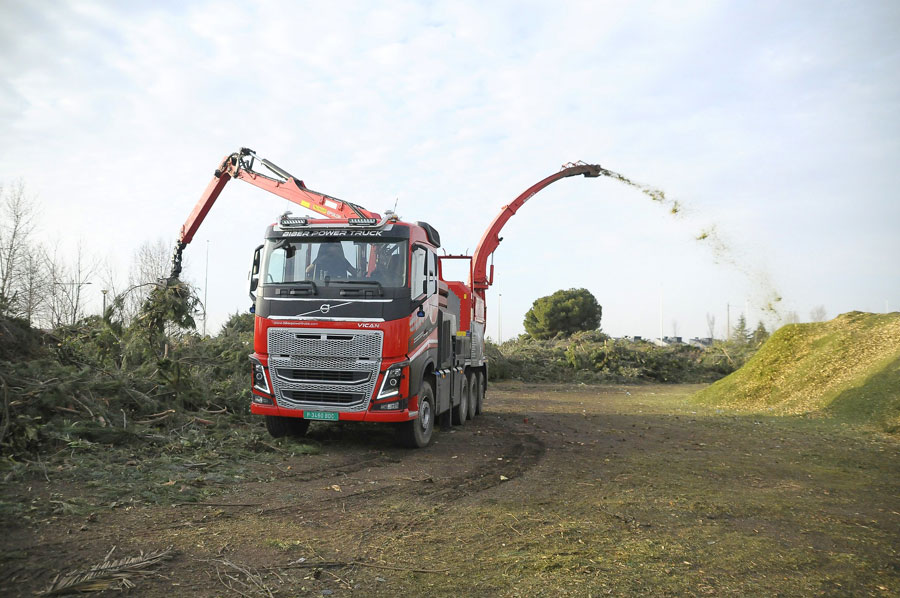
x: 417, y: 433
x: 286, y: 426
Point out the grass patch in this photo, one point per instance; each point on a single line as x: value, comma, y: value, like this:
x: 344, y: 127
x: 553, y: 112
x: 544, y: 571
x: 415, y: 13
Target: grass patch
x: 680, y: 500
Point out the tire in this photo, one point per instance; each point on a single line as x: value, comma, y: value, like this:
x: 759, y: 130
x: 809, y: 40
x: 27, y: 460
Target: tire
x: 419, y: 432
x: 479, y: 389
x: 461, y: 411
x: 473, y: 395
x: 286, y: 426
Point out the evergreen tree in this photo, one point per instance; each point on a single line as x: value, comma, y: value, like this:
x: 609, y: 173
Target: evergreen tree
x: 740, y: 334
x: 564, y: 312
x: 760, y: 335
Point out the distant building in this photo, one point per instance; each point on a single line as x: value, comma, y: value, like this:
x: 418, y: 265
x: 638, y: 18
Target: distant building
x: 701, y: 342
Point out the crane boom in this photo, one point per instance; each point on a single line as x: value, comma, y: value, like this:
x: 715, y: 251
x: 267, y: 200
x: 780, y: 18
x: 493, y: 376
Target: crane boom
x: 239, y: 165
x: 360, y: 302
x: 491, y: 238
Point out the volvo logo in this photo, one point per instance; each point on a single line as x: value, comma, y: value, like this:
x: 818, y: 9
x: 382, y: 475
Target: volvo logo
x: 324, y: 309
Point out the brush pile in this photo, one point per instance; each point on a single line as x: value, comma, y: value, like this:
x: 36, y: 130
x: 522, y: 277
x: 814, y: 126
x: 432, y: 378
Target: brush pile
x: 594, y: 357
x: 102, y: 380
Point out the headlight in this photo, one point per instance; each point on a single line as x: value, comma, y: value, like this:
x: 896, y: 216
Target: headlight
x: 259, y: 377
x: 390, y: 386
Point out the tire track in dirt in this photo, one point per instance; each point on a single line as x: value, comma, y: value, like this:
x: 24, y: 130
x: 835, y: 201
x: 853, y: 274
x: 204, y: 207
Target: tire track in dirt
x: 351, y: 466
x: 462, y: 463
x: 469, y: 466
x: 527, y: 451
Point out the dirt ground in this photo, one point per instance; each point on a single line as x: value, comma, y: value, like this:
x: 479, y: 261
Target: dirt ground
x: 553, y: 491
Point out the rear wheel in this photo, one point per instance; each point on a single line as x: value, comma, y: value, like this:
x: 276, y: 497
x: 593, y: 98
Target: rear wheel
x: 479, y: 390
x: 472, y: 381
x: 461, y: 411
x: 286, y: 426
x: 418, y: 432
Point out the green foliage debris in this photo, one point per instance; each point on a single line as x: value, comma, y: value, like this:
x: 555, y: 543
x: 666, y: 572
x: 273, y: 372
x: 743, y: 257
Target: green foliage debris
x: 592, y: 356
x: 102, y: 381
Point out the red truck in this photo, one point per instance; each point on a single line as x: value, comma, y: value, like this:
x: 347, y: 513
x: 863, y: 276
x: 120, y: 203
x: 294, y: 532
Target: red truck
x: 353, y: 318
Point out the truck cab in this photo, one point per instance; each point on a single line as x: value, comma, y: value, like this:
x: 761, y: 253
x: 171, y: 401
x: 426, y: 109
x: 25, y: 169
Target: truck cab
x: 353, y: 323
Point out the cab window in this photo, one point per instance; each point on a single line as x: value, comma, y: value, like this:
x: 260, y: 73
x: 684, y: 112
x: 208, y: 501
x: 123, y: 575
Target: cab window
x: 418, y: 272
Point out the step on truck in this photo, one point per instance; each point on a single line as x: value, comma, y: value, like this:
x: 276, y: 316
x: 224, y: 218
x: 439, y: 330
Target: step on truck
x: 354, y: 320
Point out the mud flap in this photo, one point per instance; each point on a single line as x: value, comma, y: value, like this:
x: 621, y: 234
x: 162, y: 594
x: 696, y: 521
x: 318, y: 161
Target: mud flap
x: 443, y: 393
x: 443, y: 399
x: 446, y: 420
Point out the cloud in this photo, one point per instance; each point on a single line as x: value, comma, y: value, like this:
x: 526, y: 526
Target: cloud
x: 778, y: 122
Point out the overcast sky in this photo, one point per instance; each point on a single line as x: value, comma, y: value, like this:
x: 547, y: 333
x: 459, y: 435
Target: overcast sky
x: 777, y: 123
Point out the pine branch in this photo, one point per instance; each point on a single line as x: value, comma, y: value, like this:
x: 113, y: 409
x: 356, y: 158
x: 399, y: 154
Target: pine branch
x: 108, y: 574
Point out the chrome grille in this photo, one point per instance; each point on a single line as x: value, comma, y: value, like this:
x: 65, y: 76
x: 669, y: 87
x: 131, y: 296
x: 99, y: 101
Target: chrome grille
x: 323, y: 397
x: 331, y: 343
x: 331, y: 376
x: 312, y: 369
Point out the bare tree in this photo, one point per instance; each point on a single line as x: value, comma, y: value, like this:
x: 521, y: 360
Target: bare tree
x: 66, y: 297
x: 674, y: 328
x: 33, y: 283
x: 151, y: 262
x: 82, y: 269
x: 16, y: 226
x: 818, y: 314
x: 711, y: 325
x: 57, y: 274
x: 791, y: 317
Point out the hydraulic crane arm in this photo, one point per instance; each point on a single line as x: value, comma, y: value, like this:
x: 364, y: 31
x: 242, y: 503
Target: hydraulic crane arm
x: 491, y: 238
x: 239, y: 165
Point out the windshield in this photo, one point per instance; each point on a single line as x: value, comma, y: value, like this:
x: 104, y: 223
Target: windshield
x: 335, y: 260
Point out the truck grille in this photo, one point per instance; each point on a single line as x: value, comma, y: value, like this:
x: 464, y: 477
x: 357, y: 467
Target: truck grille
x: 305, y: 396
x: 324, y: 368
x: 333, y: 376
x: 331, y: 343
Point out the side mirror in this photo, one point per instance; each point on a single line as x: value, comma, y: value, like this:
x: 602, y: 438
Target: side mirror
x: 254, y: 272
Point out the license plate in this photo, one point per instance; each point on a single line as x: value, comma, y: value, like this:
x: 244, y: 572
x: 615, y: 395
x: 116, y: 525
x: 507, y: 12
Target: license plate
x: 329, y: 416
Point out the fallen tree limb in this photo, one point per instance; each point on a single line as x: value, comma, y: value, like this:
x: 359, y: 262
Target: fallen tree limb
x: 216, y: 504
x: 328, y: 564
x: 157, y: 417
x: 107, y: 574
